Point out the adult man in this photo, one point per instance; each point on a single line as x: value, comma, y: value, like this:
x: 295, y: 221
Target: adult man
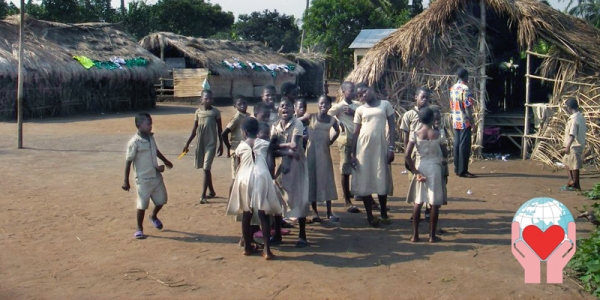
x: 461, y: 104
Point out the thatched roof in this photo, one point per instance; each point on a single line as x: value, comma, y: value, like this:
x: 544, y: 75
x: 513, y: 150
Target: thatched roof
x: 210, y: 54
x: 427, y: 33
x: 49, y: 49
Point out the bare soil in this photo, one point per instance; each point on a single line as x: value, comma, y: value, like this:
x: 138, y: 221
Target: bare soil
x: 67, y: 228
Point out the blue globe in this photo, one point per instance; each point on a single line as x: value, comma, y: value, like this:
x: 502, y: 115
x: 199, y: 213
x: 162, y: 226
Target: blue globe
x: 543, y: 213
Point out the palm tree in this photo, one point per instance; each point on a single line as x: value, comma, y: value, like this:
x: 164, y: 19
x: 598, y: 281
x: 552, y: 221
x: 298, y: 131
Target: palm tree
x: 302, y: 38
x: 588, y: 10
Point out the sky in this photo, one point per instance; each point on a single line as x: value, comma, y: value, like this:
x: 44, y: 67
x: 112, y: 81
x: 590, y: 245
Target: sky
x: 288, y: 7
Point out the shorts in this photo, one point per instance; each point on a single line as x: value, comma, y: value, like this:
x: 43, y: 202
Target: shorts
x: 234, y: 166
x: 151, y: 188
x: 573, y: 160
x: 346, y: 159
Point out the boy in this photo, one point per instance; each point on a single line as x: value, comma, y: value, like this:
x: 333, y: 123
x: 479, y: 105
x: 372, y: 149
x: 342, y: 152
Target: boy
x: 235, y: 128
x: 410, y: 122
x: 142, y: 153
x: 268, y: 97
x: 343, y: 111
x: 262, y: 113
x: 574, y: 143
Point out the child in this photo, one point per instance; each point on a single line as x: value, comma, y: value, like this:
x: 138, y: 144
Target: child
x: 288, y: 132
x: 321, y: 186
x: 437, y: 125
x: 299, y: 112
x: 262, y: 113
x: 343, y: 111
x: 207, y: 125
x: 142, y: 153
x: 574, y: 143
x: 410, y: 122
x: 235, y: 128
x: 427, y: 184
x: 269, y: 94
x: 372, y: 153
x: 253, y: 188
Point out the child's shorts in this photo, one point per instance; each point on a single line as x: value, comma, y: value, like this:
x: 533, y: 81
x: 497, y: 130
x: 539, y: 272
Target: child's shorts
x: 573, y: 160
x: 234, y: 165
x: 151, y: 188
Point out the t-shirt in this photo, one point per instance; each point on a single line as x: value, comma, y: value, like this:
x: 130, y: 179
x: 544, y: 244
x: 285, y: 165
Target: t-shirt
x: 142, y: 153
x: 410, y: 120
x: 345, y: 120
x: 286, y: 131
x: 235, y: 125
x: 460, y: 99
x: 576, y: 127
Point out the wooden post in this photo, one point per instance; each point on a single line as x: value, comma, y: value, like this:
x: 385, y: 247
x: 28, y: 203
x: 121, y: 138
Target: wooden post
x: 482, y: 77
x: 524, y: 145
x: 20, y: 80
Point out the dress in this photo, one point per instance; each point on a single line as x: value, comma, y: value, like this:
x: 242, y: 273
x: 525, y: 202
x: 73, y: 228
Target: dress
x: 207, y: 136
x: 373, y: 173
x: 429, y: 163
x: 295, y: 182
x: 253, y: 188
x: 321, y: 181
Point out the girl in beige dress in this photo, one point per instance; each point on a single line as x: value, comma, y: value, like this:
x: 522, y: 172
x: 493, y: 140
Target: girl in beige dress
x: 372, y: 153
x: 293, y: 175
x: 208, y: 128
x: 428, y: 181
x: 321, y: 181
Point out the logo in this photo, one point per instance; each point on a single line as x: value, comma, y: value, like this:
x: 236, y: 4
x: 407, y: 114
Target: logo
x: 543, y: 229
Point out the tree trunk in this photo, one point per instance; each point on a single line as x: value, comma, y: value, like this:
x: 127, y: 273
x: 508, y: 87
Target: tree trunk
x: 303, y: 31
x: 123, y: 7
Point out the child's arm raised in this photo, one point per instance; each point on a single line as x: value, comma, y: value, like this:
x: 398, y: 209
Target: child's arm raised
x: 220, y: 132
x: 164, y: 159
x: 336, y: 128
x: 225, y: 137
x: 192, y: 136
x: 126, y: 185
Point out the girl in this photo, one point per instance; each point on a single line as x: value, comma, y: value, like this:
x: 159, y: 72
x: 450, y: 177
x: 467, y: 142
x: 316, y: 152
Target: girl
x: 253, y: 188
x: 207, y: 125
x: 372, y: 153
x: 427, y: 184
x: 287, y: 132
x: 300, y: 112
x: 438, y: 125
x: 321, y: 181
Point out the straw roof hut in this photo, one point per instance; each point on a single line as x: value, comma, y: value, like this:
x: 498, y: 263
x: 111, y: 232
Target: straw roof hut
x: 310, y: 83
x: 235, y: 67
x: 56, y: 84
x: 431, y: 47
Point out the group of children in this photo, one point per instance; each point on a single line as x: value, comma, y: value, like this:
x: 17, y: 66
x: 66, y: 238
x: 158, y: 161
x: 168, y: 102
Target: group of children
x: 282, y: 167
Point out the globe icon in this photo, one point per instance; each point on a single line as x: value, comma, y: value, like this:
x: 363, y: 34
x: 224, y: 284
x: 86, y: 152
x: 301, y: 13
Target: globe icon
x: 543, y: 213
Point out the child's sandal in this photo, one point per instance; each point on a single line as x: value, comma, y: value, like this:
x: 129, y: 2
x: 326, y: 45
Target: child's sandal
x: 203, y: 201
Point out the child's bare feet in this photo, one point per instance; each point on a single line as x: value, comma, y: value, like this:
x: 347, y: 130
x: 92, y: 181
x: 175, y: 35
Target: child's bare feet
x: 414, y: 239
x: 268, y: 255
x: 434, y: 239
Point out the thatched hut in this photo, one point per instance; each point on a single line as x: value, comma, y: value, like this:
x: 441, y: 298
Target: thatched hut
x: 311, y: 82
x: 57, y: 84
x: 235, y: 67
x: 556, y: 54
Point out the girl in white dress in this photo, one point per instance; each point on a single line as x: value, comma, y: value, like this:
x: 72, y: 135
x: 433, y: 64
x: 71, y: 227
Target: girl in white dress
x: 253, y: 188
x: 428, y: 182
x: 372, y: 153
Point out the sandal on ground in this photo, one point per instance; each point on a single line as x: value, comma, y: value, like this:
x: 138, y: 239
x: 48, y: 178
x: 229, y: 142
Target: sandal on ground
x: 316, y: 219
x: 568, y: 188
x: 211, y: 195
x: 139, y: 235
x: 301, y: 243
x: 203, y: 201
x: 157, y: 223
x: 333, y: 218
x: 435, y: 239
x: 386, y: 221
x: 468, y: 175
x: 374, y: 222
x: 353, y: 209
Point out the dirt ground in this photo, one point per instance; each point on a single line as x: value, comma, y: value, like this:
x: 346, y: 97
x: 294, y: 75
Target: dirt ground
x: 67, y: 228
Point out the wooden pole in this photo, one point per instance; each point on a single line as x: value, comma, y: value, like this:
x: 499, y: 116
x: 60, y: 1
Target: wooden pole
x: 527, y: 97
x: 483, y: 77
x: 20, y: 79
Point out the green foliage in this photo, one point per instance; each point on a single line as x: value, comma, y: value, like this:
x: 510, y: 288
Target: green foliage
x: 65, y: 11
x: 586, y: 261
x: 334, y: 24
x: 588, y: 10
x: 593, y: 194
x: 7, y: 9
x: 277, y: 31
